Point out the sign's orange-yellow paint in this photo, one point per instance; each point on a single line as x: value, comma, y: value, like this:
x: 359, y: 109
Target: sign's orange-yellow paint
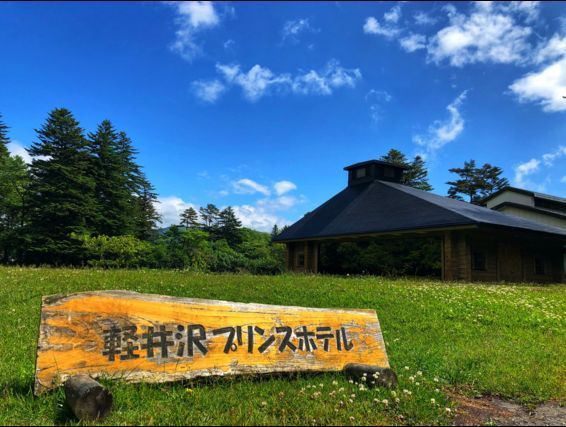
x: 141, y: 337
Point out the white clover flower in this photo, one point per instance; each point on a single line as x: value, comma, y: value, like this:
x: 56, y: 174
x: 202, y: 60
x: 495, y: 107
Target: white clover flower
x: 437, y: 390
x: 385, y: 402
x: 448, y: 410
x: 351, y: 381
x: 436, y: 379
x: 264, y: 403
x: 334, y: 382
x: 419, y: 373
x: 433, y: 401
x: 364, y: 379
x: 406, y: 368
x: 412, y: 379
x: 417, y: 383
x: 397, y: 400
x: 393, y: 393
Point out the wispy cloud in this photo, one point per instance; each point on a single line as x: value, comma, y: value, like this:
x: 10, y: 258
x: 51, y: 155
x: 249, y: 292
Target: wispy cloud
x: 531, y: 167
x: 192, y: 18
x: 413, y: 42
x: 377, y: 100
x: 208, y: 90
x: 293, y: 29
x: 249, y: 186
x: 260, y: 81
x: 490, y: 33
x: 283, y: 187
x: 441, y: 132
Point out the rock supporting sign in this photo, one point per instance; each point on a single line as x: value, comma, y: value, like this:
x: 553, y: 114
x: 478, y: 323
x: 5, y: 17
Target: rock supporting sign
x: 141, y: 337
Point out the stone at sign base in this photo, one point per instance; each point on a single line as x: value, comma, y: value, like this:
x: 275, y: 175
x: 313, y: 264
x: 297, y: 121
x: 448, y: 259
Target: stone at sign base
x: 372, y: 375
x: 88, y: 399
x: 138, y: 337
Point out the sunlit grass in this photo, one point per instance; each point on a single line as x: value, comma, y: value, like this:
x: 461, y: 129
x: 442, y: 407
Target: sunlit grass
x: 506, y: 340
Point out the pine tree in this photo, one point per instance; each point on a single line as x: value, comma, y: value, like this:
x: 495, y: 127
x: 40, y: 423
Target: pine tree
x: 189, y: 218
x: 4, y: 140
x: 274, y: 232
x: 476, y: 183
x: 229, y: 226
x: 210, y: 216
x: 416, y: 174
x: 146, y: 216
x: 113, y: 190
x: 61, y: 190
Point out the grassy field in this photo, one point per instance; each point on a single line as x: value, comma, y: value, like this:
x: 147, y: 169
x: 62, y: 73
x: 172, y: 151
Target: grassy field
x: 495, y: 339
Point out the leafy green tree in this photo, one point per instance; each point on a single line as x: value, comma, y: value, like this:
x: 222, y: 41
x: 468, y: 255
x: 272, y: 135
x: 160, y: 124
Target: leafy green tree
x: 476, y: 183
x: 189, y: 218
x: 416, y: 174
x: 61, y: 191
x: 229, y: 226
x: 113, y: 191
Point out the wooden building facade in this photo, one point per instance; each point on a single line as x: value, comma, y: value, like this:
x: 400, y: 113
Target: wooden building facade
x: 477, y: 244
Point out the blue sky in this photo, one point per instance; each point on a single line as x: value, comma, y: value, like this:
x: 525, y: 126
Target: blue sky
x: 260, y: 105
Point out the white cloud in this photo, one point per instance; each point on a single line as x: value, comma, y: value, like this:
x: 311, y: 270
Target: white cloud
x: 260, y: 81
x: 490, y: 33
x: 393, y: 14
x: 267, y: 212
x: 283, y: 187
x: 208, y: 90
x: 229, y: 44
x: 192, y: 17
x: 170, y: 208
x: 294, y: 28
x: 440, y: 132
x: 422, y: 18
x: 248, y: 186
x: 545, y: 87
x: 413, y: 42
x: 372, y: 26
x: 551, y: 49
x: 17, y: 149
x: 549, y: 158
x: 524, y: 169
x: 377, y: 99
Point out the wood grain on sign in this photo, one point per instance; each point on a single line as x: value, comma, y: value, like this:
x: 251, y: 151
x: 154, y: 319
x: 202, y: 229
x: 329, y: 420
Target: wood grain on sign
x: 141, y: 337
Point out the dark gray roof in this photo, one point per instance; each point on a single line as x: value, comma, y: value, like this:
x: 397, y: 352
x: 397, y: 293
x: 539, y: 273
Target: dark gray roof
x: 381, y: 206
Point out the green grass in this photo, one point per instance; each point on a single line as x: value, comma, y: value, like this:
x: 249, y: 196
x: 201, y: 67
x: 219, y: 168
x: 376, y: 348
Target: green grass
x: 479, y: 339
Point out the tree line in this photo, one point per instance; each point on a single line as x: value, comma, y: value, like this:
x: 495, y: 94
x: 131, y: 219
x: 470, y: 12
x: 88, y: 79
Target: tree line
x: 84, y: 200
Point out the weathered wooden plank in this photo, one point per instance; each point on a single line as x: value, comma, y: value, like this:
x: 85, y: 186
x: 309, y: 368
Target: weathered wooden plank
x: 141, y: 337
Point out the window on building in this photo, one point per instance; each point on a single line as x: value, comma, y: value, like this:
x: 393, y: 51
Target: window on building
x: 479, y: 261
x: 300, y: 259
x: 539, y: 265
x: 361, y: 173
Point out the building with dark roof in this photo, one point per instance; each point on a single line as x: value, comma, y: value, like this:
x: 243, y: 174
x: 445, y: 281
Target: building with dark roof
x: 538, y: 207
x: 478, y: 244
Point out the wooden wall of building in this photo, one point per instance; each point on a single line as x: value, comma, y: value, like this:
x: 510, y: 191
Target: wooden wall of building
x: 500, y: 256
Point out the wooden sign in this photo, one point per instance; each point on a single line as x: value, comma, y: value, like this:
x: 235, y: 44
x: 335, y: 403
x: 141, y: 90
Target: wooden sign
x: 141, y: 337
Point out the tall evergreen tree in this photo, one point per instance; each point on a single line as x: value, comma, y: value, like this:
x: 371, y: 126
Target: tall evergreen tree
x: 476, y: 183
x: 189, y: 218
x: 112, y: 190
x: 13, y: 186
x: 274, y: 232
x: 229, y: 226
x: 210, y: 216
x: 146, y: 216
x: 4, y: 140
x: 61, y: 191
x: 416, y: 174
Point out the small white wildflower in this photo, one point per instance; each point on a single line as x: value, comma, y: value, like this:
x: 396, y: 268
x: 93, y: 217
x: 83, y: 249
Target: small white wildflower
x: 437, y: 390
x: 385, y: 402
x: 364, y: 379
x: 264, y: 403
x: 436, y: 379
x: 433, y: 401
x: 397, y: 400
x: 448, y: 410
x: 412, y: 379
x: 393, y: 393
x: 334, y: 382
x: 351, y: 381
x: 419, y: 373
x: 417, y: 383
x: 406, y: 368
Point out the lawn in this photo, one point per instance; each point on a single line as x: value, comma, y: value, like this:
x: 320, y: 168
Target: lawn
x: 493, y: 339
